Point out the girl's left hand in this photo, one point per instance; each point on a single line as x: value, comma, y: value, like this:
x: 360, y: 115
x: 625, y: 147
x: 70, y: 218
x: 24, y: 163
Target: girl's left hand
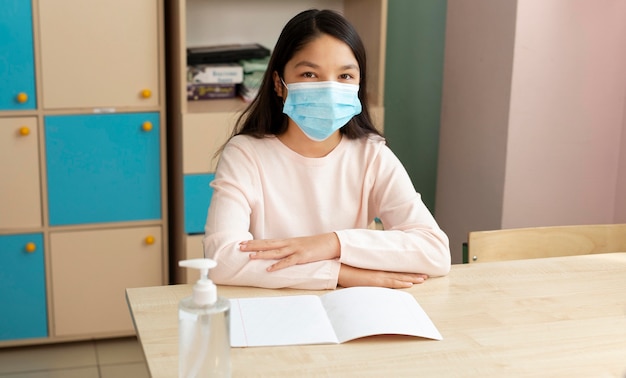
x: 293, y: 251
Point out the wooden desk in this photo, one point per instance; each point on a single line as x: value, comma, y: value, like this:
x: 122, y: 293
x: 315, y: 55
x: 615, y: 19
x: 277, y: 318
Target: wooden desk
x: 556, y: 317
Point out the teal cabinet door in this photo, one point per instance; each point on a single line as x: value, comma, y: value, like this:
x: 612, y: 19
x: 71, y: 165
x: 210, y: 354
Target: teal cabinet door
x: 17, y: 68
x: 22, y: 287
x: 198, y: 193
x: 103, y: 168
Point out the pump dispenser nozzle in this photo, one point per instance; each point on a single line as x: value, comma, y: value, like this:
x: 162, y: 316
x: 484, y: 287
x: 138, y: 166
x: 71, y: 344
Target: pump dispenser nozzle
x: 204, y: 291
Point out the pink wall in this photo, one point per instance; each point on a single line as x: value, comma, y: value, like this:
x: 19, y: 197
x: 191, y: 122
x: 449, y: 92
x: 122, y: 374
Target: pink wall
x: 533, y: 124
x: 480, y: 35
x: 620, y: 193
x: 566, y: 114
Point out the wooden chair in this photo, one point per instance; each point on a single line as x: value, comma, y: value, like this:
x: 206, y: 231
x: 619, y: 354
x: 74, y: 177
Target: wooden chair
x: 534, y: 242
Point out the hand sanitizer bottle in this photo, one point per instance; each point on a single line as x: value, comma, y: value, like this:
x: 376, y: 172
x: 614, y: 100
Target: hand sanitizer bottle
x: 203, y: 328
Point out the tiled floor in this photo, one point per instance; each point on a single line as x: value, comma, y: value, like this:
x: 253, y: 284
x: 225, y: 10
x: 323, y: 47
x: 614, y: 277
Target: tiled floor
x: 111, y: 358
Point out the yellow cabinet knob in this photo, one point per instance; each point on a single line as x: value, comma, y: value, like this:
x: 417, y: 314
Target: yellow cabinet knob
x: 30, y: 247
x: 147, y: 126
x: 24, y: 130
x: 146, y: 93
x: 149, y: 240
x: 22, y: 97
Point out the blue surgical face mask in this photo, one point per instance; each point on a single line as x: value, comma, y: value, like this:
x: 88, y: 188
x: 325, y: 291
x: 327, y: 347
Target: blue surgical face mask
x: 321, y: 108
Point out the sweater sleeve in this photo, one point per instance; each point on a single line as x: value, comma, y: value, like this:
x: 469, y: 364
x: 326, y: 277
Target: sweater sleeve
x: 236, y: 194
x: 412, y: 241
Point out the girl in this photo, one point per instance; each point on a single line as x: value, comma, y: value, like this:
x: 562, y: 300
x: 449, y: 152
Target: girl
x: 306, y: 172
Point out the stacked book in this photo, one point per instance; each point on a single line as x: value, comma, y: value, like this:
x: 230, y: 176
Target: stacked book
x: 208, y: 81
x: 253, y: 71
x: 218, y: 71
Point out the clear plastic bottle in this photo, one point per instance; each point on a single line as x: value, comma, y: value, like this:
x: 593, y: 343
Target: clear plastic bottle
x: 203, y: 328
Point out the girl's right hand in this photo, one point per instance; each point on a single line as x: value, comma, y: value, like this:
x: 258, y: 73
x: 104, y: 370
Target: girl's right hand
x: 351, y: 276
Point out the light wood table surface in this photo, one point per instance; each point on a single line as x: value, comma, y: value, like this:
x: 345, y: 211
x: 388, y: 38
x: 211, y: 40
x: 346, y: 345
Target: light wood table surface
x: 554, y: 317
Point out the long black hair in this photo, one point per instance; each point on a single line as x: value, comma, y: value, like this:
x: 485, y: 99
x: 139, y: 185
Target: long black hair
x: 264, y: 115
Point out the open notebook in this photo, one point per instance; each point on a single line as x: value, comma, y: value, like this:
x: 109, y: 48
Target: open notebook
x: 336, y: 317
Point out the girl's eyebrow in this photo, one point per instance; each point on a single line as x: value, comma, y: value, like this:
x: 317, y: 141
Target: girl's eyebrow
x: 350, y: 67
x: 306, y: 63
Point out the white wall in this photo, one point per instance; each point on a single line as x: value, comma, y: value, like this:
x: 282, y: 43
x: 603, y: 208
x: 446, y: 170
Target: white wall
x: 545, y: 145
x: 262, y: 24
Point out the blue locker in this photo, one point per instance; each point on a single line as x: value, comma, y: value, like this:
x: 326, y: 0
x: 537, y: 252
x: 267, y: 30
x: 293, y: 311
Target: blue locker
x: 22, y: 287
x: 103, y: 168
x: 17, y: 67
x: 198, y: 193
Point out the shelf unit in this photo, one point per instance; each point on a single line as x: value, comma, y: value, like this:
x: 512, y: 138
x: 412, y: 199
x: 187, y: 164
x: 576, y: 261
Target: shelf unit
x: 83, y: 199
x: 198, y: 128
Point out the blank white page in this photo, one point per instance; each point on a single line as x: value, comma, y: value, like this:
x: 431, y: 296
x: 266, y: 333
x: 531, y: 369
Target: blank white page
x: 287, y: 320
x: 364, y: 311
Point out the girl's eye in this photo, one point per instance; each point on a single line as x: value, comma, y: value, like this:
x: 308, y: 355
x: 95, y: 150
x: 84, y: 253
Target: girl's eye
x: 346, y: 76
x: 308, y: 75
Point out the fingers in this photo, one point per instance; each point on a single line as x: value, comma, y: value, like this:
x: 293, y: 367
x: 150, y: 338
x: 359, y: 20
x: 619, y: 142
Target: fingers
x: 284, y: 259
x: 410, y: 282
x: 403, y: 283
x: 281, y: 264
x: 395, y: 284
x: 261, y: 245
x: 273, y: 254
x: 269, y: 250
x: 350, y: 276
x: 264, y: 249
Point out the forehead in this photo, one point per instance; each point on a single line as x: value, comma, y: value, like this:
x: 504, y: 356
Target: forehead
x: 324, y: 51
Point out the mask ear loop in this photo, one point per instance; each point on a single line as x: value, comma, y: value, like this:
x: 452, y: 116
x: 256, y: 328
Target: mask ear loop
x: 285, y: 85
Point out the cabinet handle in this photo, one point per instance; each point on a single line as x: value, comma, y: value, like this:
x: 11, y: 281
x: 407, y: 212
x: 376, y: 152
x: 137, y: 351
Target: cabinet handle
x: 146, y: 93
x: 30, y: 247
x: 21, y: 97
x: 149, y: 240
x: 24, y: 131
x: 147, y: 126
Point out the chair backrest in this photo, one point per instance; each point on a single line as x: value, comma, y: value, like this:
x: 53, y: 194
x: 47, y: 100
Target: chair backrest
x: 528, y: 243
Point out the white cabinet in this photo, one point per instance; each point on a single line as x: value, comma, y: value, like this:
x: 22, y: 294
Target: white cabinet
x: 83, y: 207
x: 91, y: 271
x: 20, y: 193
x: 193, y: 250
x: 203, y: 135
x: 100, y: 53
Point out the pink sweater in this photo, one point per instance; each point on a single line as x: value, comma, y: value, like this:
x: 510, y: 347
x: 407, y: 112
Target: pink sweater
x: 264, y: 190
